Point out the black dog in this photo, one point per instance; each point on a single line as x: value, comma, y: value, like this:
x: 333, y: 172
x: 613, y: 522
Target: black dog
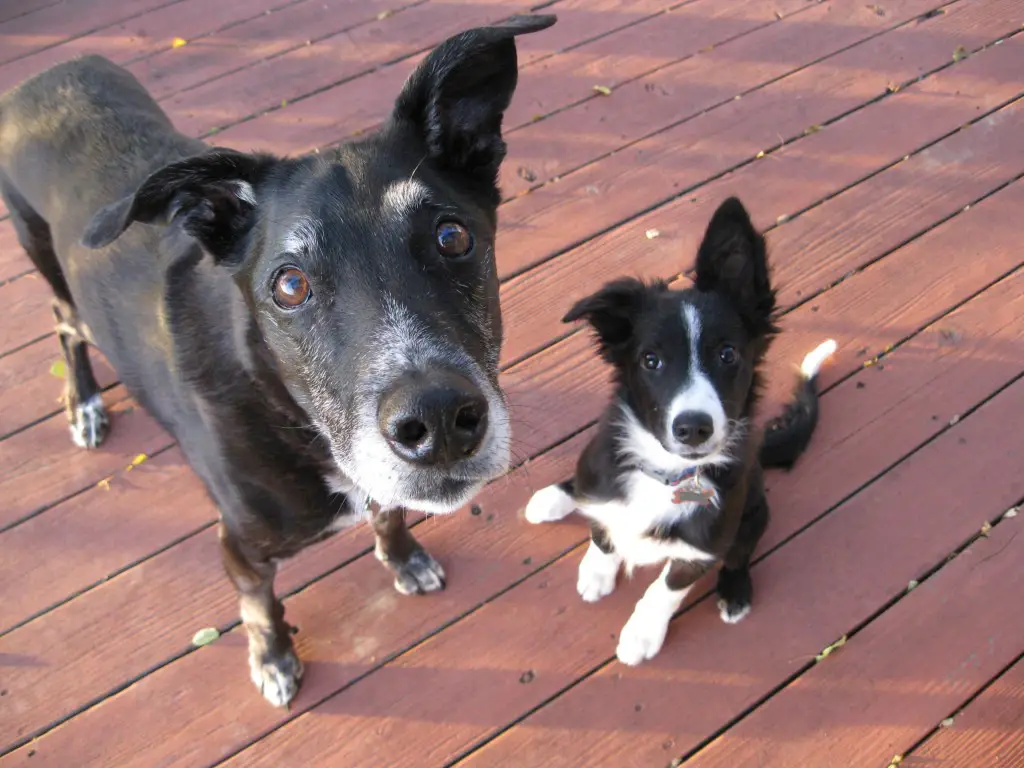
x: 674, y: 471
x: 317, y: 333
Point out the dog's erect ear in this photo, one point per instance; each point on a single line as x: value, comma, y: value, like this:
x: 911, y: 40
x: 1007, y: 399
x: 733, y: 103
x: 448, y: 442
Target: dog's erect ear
x: 733, y: 260
x: 613, y: 311
x: 456, y: 98
x: 212, y: 193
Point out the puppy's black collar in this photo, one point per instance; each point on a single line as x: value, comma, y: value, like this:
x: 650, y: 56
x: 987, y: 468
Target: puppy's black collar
x: 668, y: 478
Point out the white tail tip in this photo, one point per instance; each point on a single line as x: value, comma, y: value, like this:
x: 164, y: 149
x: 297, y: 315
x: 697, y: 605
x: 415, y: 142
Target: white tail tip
x: 816, y: 358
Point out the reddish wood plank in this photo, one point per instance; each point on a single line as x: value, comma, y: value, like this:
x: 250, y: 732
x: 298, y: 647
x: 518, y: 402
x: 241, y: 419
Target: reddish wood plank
x: 41, y: 465
x: 264, y: 37
x: 544, y: 85
x: 810, y: 592
x: 986, y: 733
x: 442, y: 697
x: 310, y: 68
x: 899, y: 676
x: 167, y: 598
x: 13, y: 261
x: 52, y: 25
x: 918, y: 427
x: 29, y: 391
x: 782, y: 183
x: 15, y: 8
x: 139, y: 36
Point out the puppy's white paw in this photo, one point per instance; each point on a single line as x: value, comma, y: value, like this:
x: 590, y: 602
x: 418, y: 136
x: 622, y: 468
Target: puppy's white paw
x: 549, y: 504
x: 276, y: 677
x: 642, y: 637
x: 733, y: 613
x: 89, y: 424
x: 419, y: 574
x: 597, y: 574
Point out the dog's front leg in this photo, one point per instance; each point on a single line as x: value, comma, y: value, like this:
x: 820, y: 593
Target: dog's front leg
x: 644, y: 633
x: 273, y: 663
x: 416, y: 572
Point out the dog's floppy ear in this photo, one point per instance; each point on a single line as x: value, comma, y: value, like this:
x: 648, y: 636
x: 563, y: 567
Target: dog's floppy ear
x: 733, y: 260
x: 456, y: 98
x: 213, y: 193
x: 613, y: 311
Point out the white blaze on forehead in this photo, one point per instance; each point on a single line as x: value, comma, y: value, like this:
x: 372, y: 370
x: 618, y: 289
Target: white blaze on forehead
x: 401, y: 197
x: 304, y: 237
x: 697, y: 393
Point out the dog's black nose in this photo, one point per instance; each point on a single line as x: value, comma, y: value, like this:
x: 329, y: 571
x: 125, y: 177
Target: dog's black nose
x: 434, y: 419
x: 692, y: 428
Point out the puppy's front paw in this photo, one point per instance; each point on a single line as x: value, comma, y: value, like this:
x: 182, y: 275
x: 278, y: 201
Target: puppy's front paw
x: 597, y: 575
x: 277, y: 676
x: 418, y: 575
x: 89, y: 423
x: 733, y: 611
x: 641, y: 638
x: 549, y: 504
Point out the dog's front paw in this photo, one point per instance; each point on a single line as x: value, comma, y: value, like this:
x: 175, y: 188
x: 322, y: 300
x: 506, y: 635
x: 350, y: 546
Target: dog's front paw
x: 733, y: 611
x: 597, y: 575
x: 549, y: 504
x: 89, y: 423
x: 277, y: 676
x: 418, y: 575
x: 641, y: 638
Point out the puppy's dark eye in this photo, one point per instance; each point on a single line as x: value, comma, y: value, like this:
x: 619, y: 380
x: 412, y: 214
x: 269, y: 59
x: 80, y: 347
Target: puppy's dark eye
x: 651, y: 361
x: 727, y: 354
x: 291, y: 288
x: 453, y: 240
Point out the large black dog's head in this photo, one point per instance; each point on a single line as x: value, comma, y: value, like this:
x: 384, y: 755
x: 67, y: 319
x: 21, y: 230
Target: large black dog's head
x: 686, y: 361
x: 370, y: 272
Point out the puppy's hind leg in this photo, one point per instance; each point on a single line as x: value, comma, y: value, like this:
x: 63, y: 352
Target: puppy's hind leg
x: 416, y: 572
x: 552, y: 503
x: 87, y: 417
x: 274, y: 666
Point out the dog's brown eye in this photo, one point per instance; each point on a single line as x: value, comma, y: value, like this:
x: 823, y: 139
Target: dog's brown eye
x: 291, y: 288
x: 453, y: 239
x: 651, y: 361
x: 727, y: 354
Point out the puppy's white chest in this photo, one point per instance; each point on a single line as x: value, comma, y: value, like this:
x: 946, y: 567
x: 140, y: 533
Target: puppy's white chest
x: 649, y: 503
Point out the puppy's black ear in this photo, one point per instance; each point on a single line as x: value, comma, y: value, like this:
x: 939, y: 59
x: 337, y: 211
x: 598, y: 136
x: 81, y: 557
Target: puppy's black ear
x: 456, y: 98
x: 213, y: 194
x: 613, y: 312
x: 733, y: 260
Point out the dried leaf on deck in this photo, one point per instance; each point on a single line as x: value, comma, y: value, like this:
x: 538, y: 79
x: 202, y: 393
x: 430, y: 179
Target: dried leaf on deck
x: 59, y: 370
x: 829, y: 650
x: 650, y: 234
x: 604, y: 90
x: 959, y: 53
x: 178, y: 42
x: 205, y: 636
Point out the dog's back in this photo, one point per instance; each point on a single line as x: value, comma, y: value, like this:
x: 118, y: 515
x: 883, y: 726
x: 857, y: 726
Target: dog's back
x: 85, y: 127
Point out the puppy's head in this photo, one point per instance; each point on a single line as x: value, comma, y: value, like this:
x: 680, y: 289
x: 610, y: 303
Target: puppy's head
x: 686, y: 361
x: 370, y: 272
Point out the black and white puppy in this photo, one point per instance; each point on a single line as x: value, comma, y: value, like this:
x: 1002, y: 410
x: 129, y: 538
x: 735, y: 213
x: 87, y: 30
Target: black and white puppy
x: 674, y: 473
x: 317, y: 333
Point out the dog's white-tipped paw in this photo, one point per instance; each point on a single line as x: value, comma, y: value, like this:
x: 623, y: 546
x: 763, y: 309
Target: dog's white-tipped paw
x: 733, y: 613
x: 597, y: 575
x: 419, y: 574
x: 548, y: 505
x: 277, y: 678
x: 641, y: 638
x: 89, y: 424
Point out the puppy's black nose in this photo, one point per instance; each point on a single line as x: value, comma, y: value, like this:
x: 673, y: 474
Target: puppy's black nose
x: 692, y: 428
x: 433, y: 419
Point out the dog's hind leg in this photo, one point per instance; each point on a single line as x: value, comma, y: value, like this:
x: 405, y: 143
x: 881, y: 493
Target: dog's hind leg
x: 416, y: 572
x: 82, y: 400
x: 735, y: 588
x: 273, y: 664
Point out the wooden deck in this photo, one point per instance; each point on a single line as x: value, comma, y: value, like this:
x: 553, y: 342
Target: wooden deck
x: 882, y: 146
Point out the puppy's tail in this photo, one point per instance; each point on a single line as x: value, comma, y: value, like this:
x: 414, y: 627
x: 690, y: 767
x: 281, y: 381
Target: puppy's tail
x: 786, y: 436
